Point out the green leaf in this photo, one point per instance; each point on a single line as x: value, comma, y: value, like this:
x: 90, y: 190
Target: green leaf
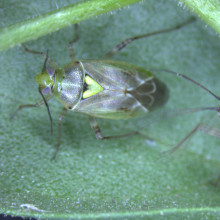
x: 208, y: 11
x: 55, y: 20
x: 124, y: 178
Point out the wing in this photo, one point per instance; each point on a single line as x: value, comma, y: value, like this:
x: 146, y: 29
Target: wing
x: 128, y: 91
x: 111, y: 104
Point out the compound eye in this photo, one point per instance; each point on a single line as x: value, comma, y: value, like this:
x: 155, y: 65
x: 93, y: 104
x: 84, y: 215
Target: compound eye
x: 50, y: 71
x: 46, y: 91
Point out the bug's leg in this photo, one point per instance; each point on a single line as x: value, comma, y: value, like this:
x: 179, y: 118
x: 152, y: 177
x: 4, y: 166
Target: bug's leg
x: 45, y: 55
x: 59, y: 132
x: 100, y: 136
x: 27, y: 106
x: 76, y: 38
x: 211, y: 131
x: 216, y: 133
x: 196, y: 128
x: 216, y: 182
x: 33, y: 51
x: 199, y: 127
x: 124, y: 43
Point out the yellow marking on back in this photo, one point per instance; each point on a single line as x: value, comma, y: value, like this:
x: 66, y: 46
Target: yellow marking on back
x: 92, y: 87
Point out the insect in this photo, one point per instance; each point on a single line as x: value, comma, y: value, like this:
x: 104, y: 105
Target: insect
x: 102, y: 88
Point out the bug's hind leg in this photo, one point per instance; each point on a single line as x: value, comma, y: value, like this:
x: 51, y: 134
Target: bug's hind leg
x: 216, y: 133
x: 210, y: 131
x: 75, y: 39
x: 199, y: 127
x: 126, y: 42
x: 100, y: 136
x: 216, y: 182
x: 193, y: 131
x: 62, y: 114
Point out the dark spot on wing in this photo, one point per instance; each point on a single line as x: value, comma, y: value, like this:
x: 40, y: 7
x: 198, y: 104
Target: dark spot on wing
x: 124, y: 109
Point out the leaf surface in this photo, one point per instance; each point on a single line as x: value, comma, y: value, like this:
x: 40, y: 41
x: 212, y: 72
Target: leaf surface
x: 114, y: 178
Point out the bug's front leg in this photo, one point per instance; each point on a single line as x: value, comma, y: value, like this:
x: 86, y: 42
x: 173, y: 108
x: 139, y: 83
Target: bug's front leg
x: 26, y: 49
x: 45, y: 55
x: 100, y: 136
x: 59, y: 132
x: 76, y: 38
x: 27, y: 106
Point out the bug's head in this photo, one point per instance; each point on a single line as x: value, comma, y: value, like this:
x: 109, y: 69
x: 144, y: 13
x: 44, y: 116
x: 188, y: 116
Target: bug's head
x: 45, y: 79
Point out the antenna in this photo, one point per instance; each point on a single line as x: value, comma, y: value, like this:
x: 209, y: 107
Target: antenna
x: 48, y: 110
x: 45, y: 62
x: 45, y: 101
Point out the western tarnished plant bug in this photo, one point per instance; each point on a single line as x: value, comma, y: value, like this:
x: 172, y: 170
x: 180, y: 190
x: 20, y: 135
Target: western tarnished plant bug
x: 103, y: 88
